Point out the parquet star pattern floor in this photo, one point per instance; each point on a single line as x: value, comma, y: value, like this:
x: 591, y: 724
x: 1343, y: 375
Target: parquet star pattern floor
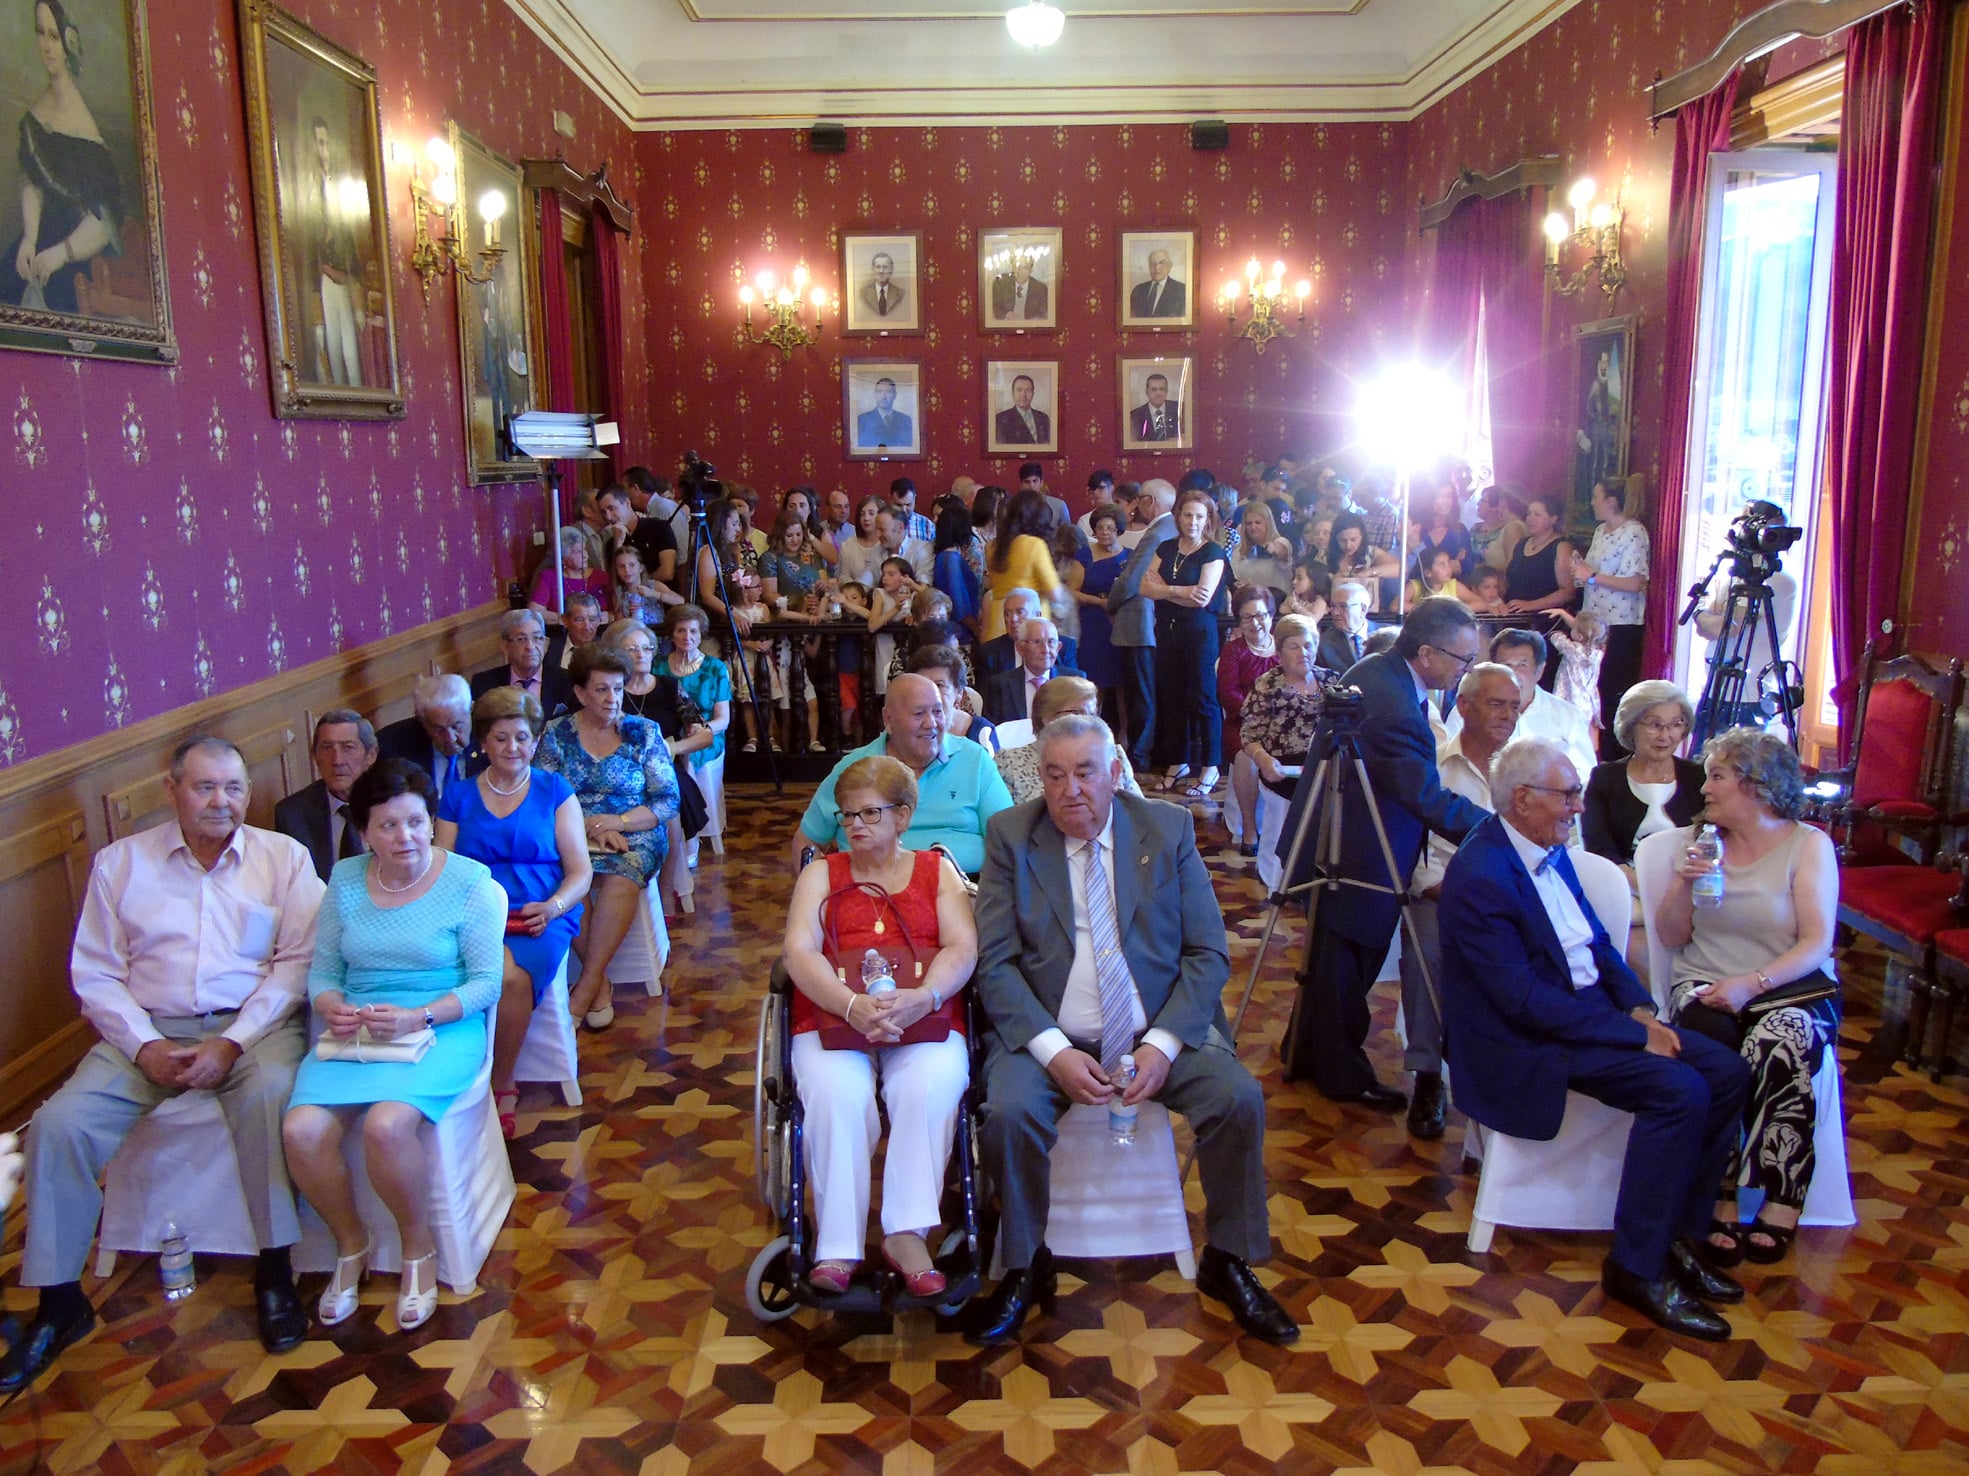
x: 611, y: 1333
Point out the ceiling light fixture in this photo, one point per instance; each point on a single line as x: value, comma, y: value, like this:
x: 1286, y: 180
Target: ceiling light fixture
x: 1035, y: 23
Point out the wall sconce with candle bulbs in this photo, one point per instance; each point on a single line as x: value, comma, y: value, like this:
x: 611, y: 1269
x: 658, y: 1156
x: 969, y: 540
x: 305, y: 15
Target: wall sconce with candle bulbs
x: 786, y: 303
x: 1267, y: 299
x: 1594, y: 228
x: 434, y: 198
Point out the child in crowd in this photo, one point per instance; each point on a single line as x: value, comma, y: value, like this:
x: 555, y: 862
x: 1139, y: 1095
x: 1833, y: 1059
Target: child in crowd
x: 855, y: 601
x: 889, y: 605
x: 1486, y: 591
x: 633, y: 592
x: 1578, y: 678
x: 1438, y: 577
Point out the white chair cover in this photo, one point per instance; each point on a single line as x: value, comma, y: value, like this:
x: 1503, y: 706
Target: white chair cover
x: 1272, y: 810
x: 178, y: 1162
x: 549, y: 1051
x: 645, y: 947
x: 1109, y: 1201
x: 1829, y: 1199
x: 1014, y: 733
x: 711, y: 779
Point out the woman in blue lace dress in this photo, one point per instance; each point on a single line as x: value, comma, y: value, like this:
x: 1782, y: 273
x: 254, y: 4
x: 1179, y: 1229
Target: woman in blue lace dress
x: 409, y: 940
x: 619, y: 769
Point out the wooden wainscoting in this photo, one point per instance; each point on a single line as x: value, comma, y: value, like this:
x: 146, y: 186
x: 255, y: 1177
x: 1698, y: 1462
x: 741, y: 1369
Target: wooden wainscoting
x: 58, y: 810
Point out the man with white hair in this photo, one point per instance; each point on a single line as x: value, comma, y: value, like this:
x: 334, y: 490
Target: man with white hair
x: 437, y: 737
x: 1001, y: 652
x: 1541, y: 714
x: 1008, y: 695
x: 1131, y: 618
x: 523, y: 636
x: 1539, y: 1002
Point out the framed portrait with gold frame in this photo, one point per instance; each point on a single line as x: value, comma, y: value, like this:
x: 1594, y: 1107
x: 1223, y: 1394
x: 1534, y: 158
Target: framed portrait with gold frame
x: 495, y: 317
x: 1022, y: 407
x: 1019, y: 271
x: 314, y: 139
x: 81, y: 214
x: 1158, y: 270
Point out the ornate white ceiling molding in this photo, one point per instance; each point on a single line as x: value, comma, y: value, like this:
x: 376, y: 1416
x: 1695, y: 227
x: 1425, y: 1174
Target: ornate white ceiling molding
x: 717, y: 64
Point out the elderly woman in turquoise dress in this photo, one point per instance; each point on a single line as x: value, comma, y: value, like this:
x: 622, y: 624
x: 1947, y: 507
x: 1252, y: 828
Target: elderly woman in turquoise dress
x: 409, y: 939
x: 620, y: 771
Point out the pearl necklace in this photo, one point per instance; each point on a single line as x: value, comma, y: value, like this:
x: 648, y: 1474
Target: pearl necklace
x: 525, y: 780
x: 409, y: 884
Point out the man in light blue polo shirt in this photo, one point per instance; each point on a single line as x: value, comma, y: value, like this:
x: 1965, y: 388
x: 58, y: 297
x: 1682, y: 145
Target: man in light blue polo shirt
x: 957, y: 784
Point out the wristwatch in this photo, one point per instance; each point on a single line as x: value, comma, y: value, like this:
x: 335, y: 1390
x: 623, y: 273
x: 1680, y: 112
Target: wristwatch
x: 430, y: 1020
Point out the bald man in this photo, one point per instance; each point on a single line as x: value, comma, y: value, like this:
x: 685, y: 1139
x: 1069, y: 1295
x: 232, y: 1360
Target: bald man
x: 958, y: 787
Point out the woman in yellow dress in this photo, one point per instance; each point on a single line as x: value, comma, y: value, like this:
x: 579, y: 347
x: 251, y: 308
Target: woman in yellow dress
x: 1019, y: 558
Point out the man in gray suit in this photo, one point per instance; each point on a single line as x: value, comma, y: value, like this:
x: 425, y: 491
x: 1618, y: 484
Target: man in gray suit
x: 1099, y: 936
x: 1131, y: 616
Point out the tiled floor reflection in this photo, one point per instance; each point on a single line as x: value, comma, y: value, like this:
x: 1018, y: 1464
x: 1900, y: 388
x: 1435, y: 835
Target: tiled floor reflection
x: 611, y: 1333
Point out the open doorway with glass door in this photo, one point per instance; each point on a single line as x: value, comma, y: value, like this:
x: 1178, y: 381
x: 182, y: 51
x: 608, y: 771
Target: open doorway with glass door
x: 1757, y: 426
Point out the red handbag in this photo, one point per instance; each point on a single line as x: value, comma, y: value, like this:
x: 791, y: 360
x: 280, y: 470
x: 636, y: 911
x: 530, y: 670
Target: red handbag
x: 906, y: 962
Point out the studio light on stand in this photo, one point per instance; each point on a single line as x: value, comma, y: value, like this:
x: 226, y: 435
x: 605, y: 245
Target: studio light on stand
x: 550, y: 437
x: 1410, y: 417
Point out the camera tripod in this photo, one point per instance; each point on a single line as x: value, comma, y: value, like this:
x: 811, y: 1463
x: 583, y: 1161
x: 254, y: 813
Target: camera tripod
x: 739, y: 657
x: 1750, y: 607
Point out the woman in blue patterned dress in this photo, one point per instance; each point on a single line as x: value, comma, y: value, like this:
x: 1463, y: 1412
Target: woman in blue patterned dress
x: 409, y: 939
x: 525, y: 826
x: 619, y: 769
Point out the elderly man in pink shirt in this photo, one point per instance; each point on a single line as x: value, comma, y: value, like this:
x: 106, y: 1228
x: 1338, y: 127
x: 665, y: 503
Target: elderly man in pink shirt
x: 190, y: 959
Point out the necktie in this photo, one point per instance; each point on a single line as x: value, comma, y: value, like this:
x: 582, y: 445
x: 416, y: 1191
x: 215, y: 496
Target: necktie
x: 1155, y: 298
x: 1117, y: 990
x: 1551, y: 856
x: 1019, y: 302
x: 1158, y: 425
x: 882, y: 300
x: 449, y: 776
x: 351, y: 844
x: 527, y: 684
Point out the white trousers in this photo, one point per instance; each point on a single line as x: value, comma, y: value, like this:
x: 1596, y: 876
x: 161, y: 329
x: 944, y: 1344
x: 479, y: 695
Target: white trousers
x: 922, y: 1086
x: 338, y: 322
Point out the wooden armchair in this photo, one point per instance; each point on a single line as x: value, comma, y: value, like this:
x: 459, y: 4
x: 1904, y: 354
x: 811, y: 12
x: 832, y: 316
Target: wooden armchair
x: 1900, y: 787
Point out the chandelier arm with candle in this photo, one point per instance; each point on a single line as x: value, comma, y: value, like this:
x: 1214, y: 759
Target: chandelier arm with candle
x: 785, y: 305
x: 1267, y: 301
x: 435, y: 196
x: 1595, y: 229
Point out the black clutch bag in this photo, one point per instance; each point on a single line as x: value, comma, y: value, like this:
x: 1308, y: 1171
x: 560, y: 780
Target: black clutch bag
x: 1808, y: 990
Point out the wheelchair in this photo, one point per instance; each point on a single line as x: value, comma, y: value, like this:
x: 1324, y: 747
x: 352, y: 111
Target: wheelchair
x: 777, y: 1283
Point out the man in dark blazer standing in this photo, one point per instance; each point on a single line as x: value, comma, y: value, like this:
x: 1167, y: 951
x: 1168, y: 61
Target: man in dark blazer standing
x: 1356, y: 922
x: 317, y: 816
x: 1099, y: 935
x: 1008, y: 694
x: 1538, y: 1002
x: 1131, y: 620
x: 1022, y: 425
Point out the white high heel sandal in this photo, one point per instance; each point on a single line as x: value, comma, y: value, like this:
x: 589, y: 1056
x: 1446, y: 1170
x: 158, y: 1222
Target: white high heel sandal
x: 414, y: 1308
x: 338, y: 1299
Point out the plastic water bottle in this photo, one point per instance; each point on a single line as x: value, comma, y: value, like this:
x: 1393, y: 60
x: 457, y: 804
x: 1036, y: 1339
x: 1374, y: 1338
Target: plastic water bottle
x: 174, y: 1266
x: 1707, y: 889
x: 1121, y: 1119
x: 877, y: 979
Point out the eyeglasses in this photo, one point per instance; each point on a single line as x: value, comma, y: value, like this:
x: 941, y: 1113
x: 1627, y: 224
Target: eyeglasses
x: 1463, y: 663
x: 1572, y: 796
x: 1656, y: 725
x: 869, y: 816
x: 1256, y: 617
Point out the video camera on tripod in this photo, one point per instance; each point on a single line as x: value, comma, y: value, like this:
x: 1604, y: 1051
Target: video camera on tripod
x: 697, y: 484
x: 1753, y: 545
x: 1755, y: 541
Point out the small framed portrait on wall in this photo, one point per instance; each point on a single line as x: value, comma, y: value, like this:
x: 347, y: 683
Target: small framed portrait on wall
x: 1019, y: 279
x: 1022, y: 407
x: 882, y: 409
x: 1158, y: 403
x: 317, y: 154
x: 1601, y: 409
x: 1157, y: 269
x: 880, y: 283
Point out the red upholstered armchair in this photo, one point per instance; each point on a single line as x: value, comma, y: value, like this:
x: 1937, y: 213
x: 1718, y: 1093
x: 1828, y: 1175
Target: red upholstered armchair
x: 1900, y: 788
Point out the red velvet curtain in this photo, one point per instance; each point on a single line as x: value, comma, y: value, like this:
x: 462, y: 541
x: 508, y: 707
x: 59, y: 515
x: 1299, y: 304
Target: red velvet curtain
x: 557, y: 383
x: 1879, y: 294
x: 1489, y: 252
x: 607, y: 242
x: 1701, y: 129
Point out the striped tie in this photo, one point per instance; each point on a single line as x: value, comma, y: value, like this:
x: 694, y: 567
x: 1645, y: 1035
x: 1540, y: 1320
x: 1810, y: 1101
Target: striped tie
x: 1117, y: 989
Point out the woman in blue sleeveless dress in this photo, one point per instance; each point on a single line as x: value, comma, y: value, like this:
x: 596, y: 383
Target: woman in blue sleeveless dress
x: 524, y: 825
x: 409, y: 939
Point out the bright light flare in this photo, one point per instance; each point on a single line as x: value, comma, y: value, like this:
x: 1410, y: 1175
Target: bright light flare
x: 1409, y: 417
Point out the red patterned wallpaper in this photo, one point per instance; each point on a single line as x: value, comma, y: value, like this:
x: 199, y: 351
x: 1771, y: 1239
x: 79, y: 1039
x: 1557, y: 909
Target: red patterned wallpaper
x: 1578, y: 89
x: 169, y: 539
x: 1333, y: 202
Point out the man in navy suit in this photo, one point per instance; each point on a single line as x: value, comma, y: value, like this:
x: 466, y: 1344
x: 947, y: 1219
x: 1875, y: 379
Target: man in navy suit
x: 317, y: 816
x: 1099, y: 935
x: 1161, y: 418
x: 884, y: 427
x: 1356, y: 922
x: 1008, y: 695
x: 1539, y: 1001
x: 1344, y: 633
x: 523, y: 635
x: 437, y: 736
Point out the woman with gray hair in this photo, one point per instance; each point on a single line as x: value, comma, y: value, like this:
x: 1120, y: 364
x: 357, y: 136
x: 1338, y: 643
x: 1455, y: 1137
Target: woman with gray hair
x: 1061, y: 697
x: 577, y: 575
x: 1651, y: 789
x: 1750, y: 970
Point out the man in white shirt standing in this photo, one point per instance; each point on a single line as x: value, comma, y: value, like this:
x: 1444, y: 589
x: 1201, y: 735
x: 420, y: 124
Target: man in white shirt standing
x: 190, y: 959
x: 1098, y: 936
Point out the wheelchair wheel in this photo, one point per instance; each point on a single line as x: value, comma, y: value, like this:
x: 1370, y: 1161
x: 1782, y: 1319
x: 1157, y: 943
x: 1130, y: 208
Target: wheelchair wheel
x: 764, y: 1073
x: 769, y: 1282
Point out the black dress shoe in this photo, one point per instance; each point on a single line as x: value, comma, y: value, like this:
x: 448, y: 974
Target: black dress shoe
x: 1687, y: 1267
x: 1387, y: 1098
x: 1427, y: 1108
x: 1665, y: 1302
x: 39, y: 1346
x: 1222, y: 1275
x: 1000, y: 1316
x: 283, y: 1320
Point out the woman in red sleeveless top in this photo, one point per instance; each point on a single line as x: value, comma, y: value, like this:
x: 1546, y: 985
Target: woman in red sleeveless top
x: 911, y: 1040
